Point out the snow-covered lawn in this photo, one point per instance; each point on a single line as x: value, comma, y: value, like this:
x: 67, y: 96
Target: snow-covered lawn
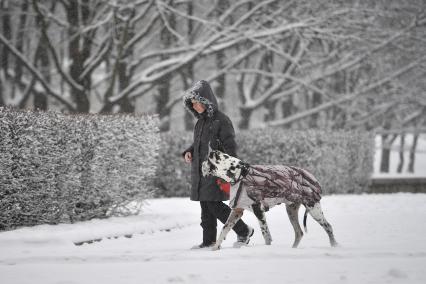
x: 382, y: 238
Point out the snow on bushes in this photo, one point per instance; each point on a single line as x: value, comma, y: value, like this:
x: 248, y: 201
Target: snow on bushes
x: 173, y: 174
x: 64, y: 168
x: 342, y: 161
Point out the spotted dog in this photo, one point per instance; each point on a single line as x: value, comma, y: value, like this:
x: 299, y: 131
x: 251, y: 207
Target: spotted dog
x: 257, y: 187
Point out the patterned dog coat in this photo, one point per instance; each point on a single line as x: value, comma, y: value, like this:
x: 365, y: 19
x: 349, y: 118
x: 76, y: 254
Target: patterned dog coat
x: 272, y: 185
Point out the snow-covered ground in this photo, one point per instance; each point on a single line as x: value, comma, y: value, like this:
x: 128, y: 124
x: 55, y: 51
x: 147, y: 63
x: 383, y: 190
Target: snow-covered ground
x: 382, y: 240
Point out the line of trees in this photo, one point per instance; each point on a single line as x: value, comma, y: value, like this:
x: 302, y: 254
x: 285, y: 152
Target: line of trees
x: 326, y: 63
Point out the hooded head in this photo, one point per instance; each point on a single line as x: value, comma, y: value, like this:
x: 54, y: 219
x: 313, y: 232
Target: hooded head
x: 201, y: 92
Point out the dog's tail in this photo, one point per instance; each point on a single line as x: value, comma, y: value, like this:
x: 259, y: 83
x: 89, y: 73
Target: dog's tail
x: 304, y: 220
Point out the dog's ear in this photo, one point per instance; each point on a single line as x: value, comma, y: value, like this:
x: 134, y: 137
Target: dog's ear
x: 217, y: 156
x: 212, y: 168
x: 210, y: 150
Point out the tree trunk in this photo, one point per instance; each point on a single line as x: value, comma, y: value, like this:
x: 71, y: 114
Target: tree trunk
x: 271, y: 114
x: 270, y: 105
x: 384, y: 164
x: 339, y: 116
x: 316, y: 101
x: 245, y: 118
x: 20, y: 35
x: 187, y: 79
x: 78, y: 52
x: 401, y: 154
x: 413, y: 153
x: 7, y: 32
x: 188, y: 72
x: 1, y: 92
x: 162, y: 98
x: 4, y: 52
x: 386, y: 150
x: 124, y: 73
x: 287, y: 107
x: 244, y: 112
x: 220, y: 86
x: 43, y: 63
x: 124, y: 78
x: 40, y: 100
x: 163, y: 95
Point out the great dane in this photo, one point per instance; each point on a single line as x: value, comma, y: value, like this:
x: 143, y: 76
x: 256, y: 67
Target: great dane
x: 259, y: 187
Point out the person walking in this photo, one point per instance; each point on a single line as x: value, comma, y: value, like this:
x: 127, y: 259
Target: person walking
x: 213, y: 129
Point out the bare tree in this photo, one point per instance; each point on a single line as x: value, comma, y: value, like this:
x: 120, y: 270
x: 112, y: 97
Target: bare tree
x: 401, y: 154
x: 327, y: 64
x: 368, y: 72
x: 413, y: 153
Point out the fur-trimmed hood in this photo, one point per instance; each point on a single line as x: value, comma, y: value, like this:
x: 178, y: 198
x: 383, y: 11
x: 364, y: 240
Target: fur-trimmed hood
x: 201, y: 92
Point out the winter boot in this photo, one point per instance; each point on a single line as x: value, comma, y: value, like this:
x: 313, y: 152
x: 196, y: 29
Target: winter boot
x: 244, y: 240
x: 203, y: 246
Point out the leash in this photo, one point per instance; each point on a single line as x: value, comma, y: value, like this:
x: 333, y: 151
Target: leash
x: 244, y: 172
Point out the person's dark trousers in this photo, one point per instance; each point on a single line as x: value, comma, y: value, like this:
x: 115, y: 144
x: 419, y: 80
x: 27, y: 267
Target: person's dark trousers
x: 210, y: 212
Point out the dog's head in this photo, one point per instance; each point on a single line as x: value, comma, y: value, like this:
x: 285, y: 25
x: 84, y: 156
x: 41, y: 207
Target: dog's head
x: 223, y: 166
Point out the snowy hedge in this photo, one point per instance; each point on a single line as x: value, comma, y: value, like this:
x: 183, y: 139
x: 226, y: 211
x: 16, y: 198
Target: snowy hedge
x: 65, y: 168
x: 342, y: 161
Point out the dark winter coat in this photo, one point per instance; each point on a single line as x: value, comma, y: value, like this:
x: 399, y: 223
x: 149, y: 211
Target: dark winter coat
x: 215, y: 128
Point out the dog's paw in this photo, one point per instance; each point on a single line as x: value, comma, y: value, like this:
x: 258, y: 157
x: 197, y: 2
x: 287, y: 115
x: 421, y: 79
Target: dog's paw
x: 239, y: 245
x: 215, y: 247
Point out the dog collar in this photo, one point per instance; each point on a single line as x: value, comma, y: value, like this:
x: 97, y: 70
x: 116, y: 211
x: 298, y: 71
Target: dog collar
x: 244, y: 171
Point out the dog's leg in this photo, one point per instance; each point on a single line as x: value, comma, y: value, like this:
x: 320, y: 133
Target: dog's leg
x: 318, y: 216
x: 233, y: 218
x: 262, y: 222
x: 292, y: 212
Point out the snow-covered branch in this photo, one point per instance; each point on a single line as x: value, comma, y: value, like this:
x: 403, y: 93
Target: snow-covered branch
x: 35, y: 73
x: 347, y: 97
x: 52, y: 50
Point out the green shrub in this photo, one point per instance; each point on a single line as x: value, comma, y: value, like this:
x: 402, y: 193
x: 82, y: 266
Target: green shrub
x: 65, y: 168
x: 342, y: 161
